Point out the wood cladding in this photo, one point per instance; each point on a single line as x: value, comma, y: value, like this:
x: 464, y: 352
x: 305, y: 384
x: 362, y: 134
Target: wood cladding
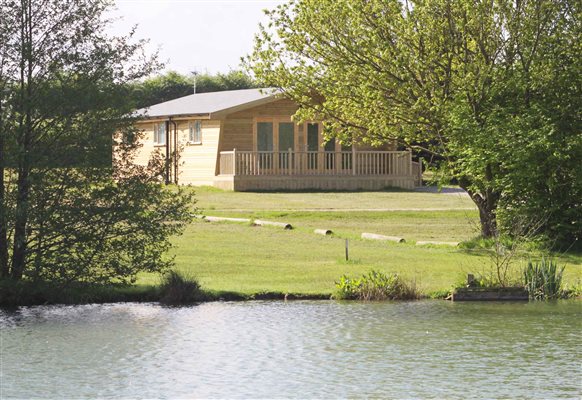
x: 199, y: 163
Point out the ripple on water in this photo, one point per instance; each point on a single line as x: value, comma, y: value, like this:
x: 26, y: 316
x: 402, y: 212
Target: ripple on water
x: 293, y: 349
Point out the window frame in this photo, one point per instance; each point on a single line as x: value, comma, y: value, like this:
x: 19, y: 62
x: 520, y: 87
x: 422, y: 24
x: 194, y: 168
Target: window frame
x: 275, y: 120
x: 194, y: 130
x: 160, y: 126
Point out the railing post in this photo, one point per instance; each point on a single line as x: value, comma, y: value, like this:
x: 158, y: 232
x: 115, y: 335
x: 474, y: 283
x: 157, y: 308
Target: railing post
x: 234, y: 162
x: 353, y: 159
x: 290, y: 165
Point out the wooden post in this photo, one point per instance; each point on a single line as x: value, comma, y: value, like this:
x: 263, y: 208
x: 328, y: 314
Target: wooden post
x: 347, y: 249
x: 290, y: 165
x: 234, y: 161
x: 353, y: 159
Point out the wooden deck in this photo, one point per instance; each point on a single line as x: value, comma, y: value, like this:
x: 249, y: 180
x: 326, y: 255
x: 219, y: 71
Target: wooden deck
x: 345, y: 170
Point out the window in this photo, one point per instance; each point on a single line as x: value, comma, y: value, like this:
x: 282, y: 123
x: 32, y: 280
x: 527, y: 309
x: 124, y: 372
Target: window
x: 195, y: 135
x: 160, y: 134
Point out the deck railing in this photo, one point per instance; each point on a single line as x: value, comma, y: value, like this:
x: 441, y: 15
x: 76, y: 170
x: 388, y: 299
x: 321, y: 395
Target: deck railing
x: 374, y: 163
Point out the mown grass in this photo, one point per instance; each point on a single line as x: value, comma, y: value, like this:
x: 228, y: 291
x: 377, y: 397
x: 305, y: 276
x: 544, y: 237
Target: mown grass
x: 212, y: 199
x: 451, y: 225
x: 238, y: 258
x: 236, y: 261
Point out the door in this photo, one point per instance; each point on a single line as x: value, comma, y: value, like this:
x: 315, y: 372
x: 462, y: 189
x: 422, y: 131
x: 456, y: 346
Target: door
x: 286, y: 142
x: 265, y: 144
x: 312, y: 145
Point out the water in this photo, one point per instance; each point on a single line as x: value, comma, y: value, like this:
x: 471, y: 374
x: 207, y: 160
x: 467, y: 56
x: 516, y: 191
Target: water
x: 427, y: 349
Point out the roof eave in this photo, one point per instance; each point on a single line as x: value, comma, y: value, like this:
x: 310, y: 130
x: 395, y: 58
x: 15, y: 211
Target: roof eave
x: 224, y: 112
x: 175, y: 116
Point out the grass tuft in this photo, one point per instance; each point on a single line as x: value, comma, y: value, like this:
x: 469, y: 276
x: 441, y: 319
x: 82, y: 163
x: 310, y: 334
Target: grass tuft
x: 179, y: 288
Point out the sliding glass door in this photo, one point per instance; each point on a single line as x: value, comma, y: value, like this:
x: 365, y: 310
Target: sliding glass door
x: 265, y: 144
x: 286, y: 143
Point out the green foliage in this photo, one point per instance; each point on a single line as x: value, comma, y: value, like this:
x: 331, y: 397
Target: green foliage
x: 439, y: 294
x: 374, y: 286
x: 173, y: 85
x: 543, y: 279
x: 490, y: 89
x: 70, y: 213
x: 179, y: 288
x: 574, y: 291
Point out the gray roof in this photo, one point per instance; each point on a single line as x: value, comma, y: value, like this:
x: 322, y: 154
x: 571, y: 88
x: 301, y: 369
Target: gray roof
x: 208, y: 103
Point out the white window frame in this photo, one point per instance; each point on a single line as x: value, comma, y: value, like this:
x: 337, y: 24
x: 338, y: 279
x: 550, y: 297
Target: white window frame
x: 160, y: 133
x: 195, y: 132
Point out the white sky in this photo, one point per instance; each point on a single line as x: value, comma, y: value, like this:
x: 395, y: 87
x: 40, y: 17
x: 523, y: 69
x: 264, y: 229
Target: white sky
x: 195, y: 35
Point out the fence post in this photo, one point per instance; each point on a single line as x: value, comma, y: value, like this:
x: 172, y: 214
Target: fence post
x: 234, y: 161
x: 353, y: 159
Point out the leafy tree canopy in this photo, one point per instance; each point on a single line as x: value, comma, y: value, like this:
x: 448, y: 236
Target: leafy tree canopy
x: 172, y: 85
x: 493, y: 89
x: 70, y: 212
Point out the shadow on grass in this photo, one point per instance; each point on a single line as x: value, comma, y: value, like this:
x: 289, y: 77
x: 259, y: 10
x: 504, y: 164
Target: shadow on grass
x: 287, y: 191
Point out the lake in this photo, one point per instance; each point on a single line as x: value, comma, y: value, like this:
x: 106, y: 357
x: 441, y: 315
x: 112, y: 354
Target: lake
x: 300, y: 349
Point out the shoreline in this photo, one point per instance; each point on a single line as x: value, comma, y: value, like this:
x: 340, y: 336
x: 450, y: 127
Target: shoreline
x: 26, y: 294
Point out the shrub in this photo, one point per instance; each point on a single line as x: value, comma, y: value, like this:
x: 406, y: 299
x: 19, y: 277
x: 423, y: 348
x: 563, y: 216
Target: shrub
x: 574, y: 291
x: 375, y: 285
x: 543, y: 280
x: 178, y: 288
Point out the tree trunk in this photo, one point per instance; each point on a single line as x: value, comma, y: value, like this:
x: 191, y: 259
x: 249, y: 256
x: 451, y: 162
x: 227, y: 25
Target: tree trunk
x: 24, y: 144
x: 4, y: 269
x: 20, y: 225
x: 487, y: 204
x: 488, y: 221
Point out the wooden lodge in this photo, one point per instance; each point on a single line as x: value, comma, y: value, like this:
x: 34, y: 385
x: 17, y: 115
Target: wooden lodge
x: 245, y: 140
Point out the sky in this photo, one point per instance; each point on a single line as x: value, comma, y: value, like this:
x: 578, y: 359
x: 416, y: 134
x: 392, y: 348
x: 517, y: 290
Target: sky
x: 194, y: 35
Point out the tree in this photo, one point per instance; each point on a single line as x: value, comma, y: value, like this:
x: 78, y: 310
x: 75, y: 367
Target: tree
x: 69, y: 212
x: 173, y: 85
x: 472, y: 82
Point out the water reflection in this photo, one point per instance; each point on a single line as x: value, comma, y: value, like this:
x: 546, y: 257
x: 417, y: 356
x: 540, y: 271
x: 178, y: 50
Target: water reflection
x: 294, y: 349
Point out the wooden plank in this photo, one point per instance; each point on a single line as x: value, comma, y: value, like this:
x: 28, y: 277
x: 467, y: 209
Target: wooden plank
x: 490, y: 294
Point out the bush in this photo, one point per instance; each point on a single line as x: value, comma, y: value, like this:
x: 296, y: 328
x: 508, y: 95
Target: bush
x: 375, y: 285
x: 178, y: 288
x: 543, y: 280
x: 574, y: 291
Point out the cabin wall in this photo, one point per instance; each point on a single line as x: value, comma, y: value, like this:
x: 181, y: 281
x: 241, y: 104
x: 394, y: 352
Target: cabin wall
x: 238, y: 128
x: 147, y: 141
x: 197, y: 165
x: 198, y: 161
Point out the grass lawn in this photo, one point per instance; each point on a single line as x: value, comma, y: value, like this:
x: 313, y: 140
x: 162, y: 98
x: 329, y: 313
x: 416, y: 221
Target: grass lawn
x: 239, y: 257
x: 212, y: 200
